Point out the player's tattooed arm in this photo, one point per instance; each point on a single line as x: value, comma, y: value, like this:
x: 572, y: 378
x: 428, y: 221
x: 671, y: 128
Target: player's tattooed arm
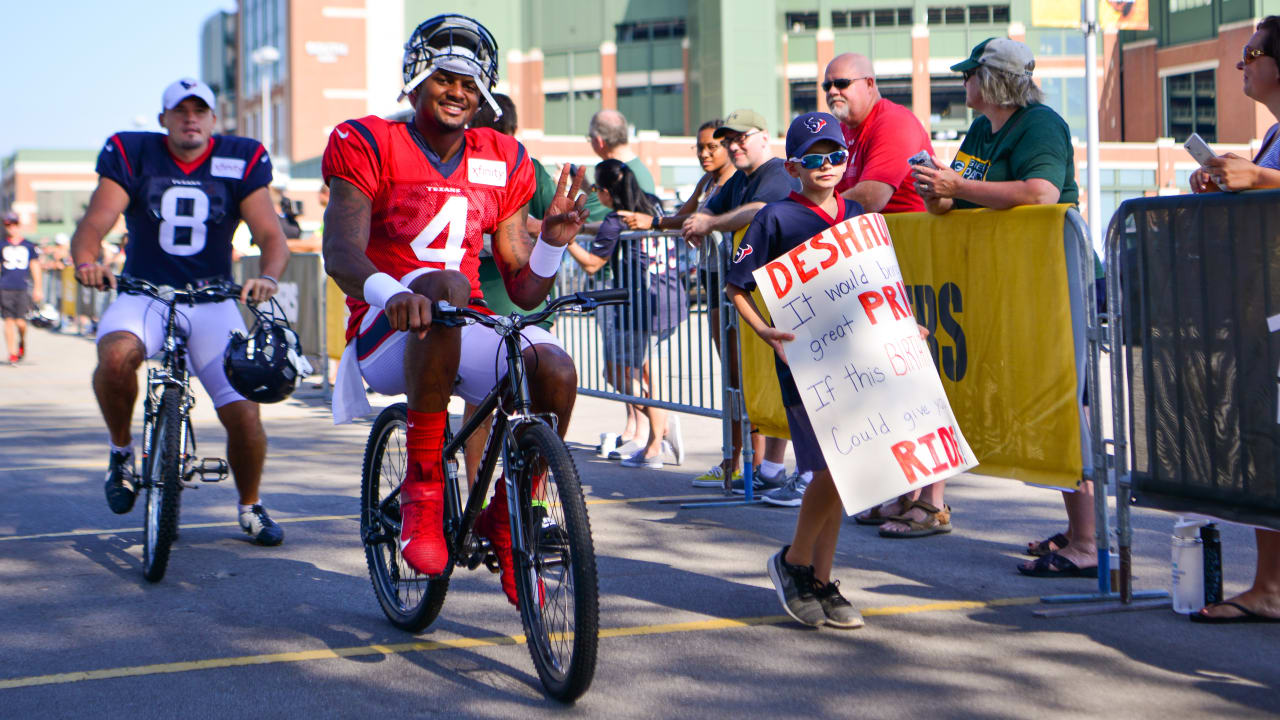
x: 346, y: 235
x: 511, y: 248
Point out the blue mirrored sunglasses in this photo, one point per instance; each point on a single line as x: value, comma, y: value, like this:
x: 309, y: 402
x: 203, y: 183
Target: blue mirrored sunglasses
x: 814, y: 161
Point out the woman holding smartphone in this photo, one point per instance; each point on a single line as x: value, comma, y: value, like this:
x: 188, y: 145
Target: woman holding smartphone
x: 1260, y: 603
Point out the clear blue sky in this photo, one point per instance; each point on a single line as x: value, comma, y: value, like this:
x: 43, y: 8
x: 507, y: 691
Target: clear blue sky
x: 76, y: 71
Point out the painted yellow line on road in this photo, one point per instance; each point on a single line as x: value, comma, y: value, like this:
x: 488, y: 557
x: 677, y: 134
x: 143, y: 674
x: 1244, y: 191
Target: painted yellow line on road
x: 465, y: 643
x: 310, y: 518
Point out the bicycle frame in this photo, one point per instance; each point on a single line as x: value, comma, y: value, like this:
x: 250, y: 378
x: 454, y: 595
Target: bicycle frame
x: 459, y: 521
x: 170, y: 372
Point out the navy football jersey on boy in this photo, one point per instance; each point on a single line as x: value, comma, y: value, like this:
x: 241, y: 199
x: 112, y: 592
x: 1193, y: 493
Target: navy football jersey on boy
x: 776, y: 229
x: 15, y: 263
x: 181, y: 216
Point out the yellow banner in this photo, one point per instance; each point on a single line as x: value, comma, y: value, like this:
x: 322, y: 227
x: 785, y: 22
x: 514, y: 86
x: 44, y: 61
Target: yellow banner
x: 335, y: 321
x: 1112, y: 14
x: 991, y: 287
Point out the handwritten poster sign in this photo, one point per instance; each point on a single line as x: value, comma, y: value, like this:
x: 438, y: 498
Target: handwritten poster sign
x: 867, y: 379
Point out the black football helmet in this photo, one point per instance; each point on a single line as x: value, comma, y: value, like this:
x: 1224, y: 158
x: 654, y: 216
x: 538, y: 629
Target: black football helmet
x: 455, y: 43
x: 266, y: 364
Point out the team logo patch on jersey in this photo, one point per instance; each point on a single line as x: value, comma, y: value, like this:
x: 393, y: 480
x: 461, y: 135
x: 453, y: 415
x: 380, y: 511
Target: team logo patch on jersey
x: 743, y: 252
x: 487, y: 172
x: 227, y: 167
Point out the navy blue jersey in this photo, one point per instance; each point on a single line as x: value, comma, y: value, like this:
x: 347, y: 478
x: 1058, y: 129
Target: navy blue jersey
x: 769, y: 183
x: 181, y: 216
x: 776, y: 229
x: 16, y: 260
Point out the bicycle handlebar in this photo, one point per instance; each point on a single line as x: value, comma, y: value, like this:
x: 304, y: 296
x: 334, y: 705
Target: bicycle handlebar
x: 447, y: 315
x: 222, y: 290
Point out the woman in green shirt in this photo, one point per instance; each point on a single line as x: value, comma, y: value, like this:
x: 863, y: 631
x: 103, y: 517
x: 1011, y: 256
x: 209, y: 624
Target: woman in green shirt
x: 1017, y: 152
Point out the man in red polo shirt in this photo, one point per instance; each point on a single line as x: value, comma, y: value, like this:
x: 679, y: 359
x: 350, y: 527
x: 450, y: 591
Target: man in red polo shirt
x: 881, y: 135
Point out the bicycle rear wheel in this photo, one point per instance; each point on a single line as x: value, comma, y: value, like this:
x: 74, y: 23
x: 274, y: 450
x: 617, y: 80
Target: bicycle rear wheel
x: 556, y: 580
x: 411, y: 601
x: 161, y: 475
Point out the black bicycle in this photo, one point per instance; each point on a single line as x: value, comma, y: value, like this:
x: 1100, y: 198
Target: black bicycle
x: 169, y: 460
x: 554, y: 561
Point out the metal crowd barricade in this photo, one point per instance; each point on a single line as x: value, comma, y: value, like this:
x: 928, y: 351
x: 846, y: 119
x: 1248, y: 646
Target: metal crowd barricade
x: 1194, y: 293
x: 685, y: 374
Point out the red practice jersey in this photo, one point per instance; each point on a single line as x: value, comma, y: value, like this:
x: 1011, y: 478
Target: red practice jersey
x: 428, y: 214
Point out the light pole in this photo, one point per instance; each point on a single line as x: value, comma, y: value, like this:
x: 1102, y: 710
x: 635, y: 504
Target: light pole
x: 264, y: 57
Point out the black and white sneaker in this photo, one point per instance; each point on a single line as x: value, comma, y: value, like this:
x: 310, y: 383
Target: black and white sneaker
x: 260, y: 527
x: 840, y: 613
x: 121, y: 486
x: 795, y: 586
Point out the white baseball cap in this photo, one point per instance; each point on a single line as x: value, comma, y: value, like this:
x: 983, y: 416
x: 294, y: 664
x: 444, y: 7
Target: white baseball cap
x: 182, y: 89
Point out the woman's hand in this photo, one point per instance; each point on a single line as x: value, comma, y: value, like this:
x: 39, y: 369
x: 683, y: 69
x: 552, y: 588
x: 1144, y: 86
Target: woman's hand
x: 635, y: 220
x: 1232, y: 172
x: 1201, y: 182
x: 936, y: 183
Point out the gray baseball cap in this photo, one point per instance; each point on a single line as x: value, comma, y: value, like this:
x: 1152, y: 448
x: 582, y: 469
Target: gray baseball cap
x: 1001, y: 54
x: 740, y: 121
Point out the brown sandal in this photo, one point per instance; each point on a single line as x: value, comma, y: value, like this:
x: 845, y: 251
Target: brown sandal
x: 873, y: 516
x: 935, y: 521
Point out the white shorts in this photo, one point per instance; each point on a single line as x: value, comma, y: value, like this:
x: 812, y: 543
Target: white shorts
x: 483, y: 362
x: 145, y: 319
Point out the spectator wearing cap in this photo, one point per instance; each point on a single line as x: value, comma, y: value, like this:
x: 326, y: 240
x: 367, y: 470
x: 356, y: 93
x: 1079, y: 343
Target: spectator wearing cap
x: 19, y: 286
x: 881, y: 134
x: 760, y: 178
x: 609, y: 138
x: 1017, y: 152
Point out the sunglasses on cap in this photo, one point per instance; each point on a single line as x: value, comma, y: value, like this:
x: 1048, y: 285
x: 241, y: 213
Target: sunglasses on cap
x: 813, y: 161
x: 840, y: 83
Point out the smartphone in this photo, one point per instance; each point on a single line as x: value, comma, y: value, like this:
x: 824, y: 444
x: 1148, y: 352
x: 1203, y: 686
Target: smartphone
x: 1199, y: 149
x: 922, y: 158
x: 1201, y: 152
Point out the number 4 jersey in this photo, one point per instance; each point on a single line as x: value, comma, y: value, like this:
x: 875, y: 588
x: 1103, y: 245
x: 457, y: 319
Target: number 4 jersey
x: 181, y: 216
x: 427, y: 213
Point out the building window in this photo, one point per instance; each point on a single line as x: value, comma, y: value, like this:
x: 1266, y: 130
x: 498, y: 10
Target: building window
x: 971, y: 14
x: 61, y: 206
x: 804, y: 97
x: 802, y: 21
x: 1190, y: 106
x: 650, y: 30
x: 1179, y: 5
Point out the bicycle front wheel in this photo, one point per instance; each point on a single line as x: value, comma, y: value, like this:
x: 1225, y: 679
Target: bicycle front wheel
x: 556, y: 579
x: 162, y: 475
x: 411, y: 601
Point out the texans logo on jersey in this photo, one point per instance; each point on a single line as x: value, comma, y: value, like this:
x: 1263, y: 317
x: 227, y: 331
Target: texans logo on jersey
x: 815, y: 124
x: 743, y: 252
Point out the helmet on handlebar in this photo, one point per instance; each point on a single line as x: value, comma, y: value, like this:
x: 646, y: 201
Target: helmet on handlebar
x: 266, y: 364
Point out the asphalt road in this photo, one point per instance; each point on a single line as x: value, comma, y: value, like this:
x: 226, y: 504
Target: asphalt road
x: 691, y: 626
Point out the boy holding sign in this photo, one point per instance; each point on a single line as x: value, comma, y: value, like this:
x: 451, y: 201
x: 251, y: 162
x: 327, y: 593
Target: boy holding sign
x: 801, y: 572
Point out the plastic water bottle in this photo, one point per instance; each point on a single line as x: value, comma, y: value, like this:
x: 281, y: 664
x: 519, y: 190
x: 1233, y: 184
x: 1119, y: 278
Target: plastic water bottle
x: 1188, y: 566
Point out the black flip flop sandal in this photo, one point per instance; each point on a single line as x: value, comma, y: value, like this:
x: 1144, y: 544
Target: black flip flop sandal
x: 1054, y: 565
x: 1247, y: 616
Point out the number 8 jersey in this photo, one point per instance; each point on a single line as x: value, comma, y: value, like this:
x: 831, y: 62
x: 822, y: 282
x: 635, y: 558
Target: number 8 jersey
x: 427, y: 213
x: 181, y: 216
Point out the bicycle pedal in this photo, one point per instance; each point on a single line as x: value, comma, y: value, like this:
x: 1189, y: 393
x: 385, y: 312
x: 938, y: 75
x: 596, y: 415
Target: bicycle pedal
x: 491, y: 562
x: 210, y: 470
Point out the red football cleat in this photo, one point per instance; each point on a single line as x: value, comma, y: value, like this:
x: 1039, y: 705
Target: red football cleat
x: 421, y: 520
x: 495, y: 524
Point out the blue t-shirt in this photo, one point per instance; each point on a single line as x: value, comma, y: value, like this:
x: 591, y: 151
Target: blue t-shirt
x: 15, y: 263
x: 776, y: 229
x: 649, y: 268
x: 769, y: 183
x: 181, y: 216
